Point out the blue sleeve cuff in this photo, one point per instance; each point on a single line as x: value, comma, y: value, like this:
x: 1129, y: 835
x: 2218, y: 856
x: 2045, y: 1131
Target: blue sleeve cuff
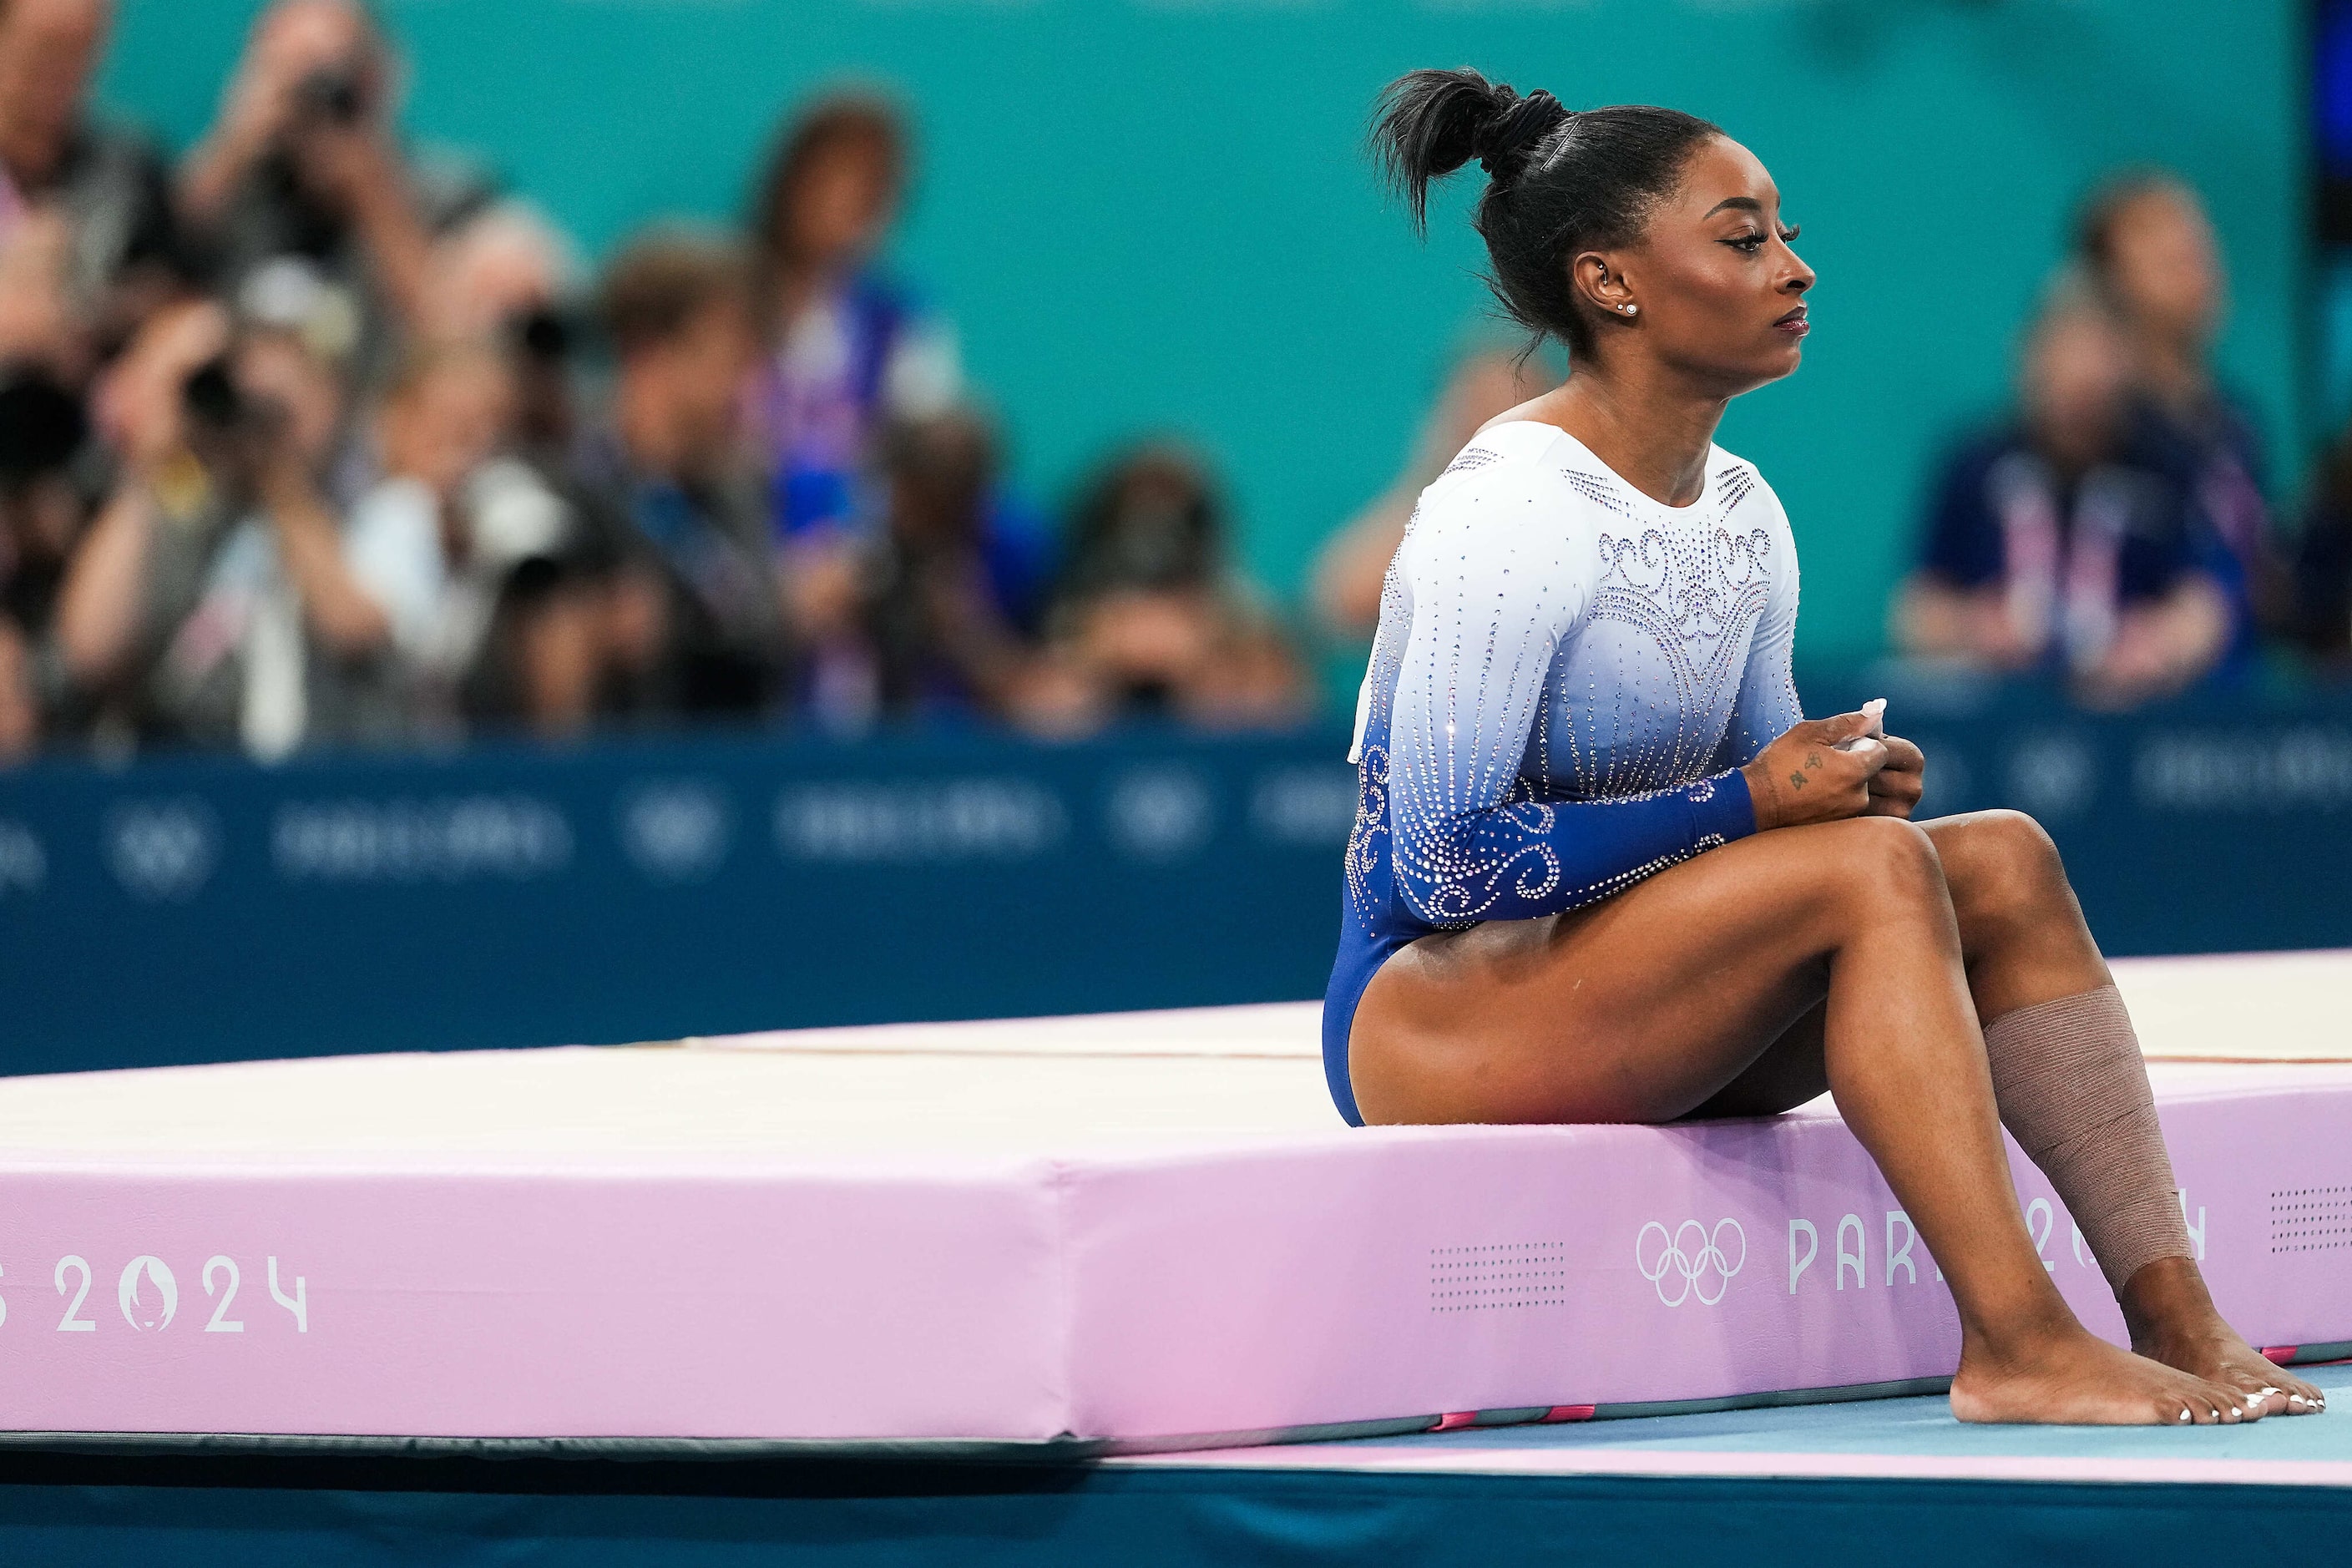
x: 1720, y: 807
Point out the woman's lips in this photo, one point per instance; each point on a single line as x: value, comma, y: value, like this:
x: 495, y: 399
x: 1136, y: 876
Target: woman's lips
x: 1794, y: 323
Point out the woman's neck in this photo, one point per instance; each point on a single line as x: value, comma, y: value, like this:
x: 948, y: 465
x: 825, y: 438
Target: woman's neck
x: 1654, y: 434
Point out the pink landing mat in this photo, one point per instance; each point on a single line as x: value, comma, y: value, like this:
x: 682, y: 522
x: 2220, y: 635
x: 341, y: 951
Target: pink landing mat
x: 1123, y: 1233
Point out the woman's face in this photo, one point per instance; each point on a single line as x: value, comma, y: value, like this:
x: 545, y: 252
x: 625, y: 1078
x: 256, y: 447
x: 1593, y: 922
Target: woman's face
x: 1719, y: 294
x: 2164, y: 266
x: 843, y: 203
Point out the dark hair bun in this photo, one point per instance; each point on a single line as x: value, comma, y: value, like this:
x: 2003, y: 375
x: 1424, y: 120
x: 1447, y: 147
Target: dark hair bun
x: 1431, y: 122
x: 1557, y: 182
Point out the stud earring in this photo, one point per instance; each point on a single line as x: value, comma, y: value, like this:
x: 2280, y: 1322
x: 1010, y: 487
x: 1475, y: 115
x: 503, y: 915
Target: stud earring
x: 1632, y: 310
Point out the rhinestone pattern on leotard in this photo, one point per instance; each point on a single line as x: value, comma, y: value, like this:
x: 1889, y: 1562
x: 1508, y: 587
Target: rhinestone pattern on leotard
x: 1551, y: 642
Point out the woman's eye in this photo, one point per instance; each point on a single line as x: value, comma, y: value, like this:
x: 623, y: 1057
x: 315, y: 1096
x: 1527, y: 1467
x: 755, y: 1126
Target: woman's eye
x: 1750, y: 242
x: 1789, y: 235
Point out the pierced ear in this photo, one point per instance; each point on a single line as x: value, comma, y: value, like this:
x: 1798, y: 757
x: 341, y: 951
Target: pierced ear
x: 1602, y: 286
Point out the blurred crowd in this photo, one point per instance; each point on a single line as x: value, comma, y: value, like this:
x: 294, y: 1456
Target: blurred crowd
x: 310, y: 437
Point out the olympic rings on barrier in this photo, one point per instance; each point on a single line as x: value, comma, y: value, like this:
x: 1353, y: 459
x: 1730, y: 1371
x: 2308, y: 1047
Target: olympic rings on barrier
x: 1690, y: 1264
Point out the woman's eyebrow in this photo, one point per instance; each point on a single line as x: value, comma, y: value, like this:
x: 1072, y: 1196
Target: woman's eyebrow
x: 1745, y: 203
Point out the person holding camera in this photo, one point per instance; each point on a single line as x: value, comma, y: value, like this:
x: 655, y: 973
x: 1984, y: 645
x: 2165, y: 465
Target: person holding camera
x: 303, y: 161
x: 211, y: 604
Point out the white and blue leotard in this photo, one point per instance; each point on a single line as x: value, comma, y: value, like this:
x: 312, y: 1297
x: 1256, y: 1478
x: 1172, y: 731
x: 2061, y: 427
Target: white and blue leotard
x: 1567, y: 679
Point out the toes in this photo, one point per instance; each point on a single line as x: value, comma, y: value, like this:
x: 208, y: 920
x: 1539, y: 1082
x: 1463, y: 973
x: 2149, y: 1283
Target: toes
x: 2240, y: 1405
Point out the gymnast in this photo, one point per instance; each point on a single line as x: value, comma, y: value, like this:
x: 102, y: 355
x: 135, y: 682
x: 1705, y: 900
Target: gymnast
x: 1603, y: 869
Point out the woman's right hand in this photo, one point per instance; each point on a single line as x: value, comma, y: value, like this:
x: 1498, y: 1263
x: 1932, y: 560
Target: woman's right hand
x: 1808, y: 775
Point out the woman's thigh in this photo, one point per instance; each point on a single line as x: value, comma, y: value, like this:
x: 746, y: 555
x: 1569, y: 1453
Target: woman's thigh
x: 1644, y: 1007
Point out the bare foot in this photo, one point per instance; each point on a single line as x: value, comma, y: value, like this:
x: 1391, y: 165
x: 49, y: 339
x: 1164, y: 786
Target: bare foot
x: 2070, y: 1377
x: 2173, y: 1321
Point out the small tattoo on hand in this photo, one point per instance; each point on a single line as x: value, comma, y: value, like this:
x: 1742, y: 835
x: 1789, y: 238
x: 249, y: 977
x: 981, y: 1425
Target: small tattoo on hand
x: 1797, y: 781
x: 1813, y: 759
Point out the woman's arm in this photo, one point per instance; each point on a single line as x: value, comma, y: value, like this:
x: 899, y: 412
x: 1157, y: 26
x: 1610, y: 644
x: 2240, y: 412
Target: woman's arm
x: 2162, y: 647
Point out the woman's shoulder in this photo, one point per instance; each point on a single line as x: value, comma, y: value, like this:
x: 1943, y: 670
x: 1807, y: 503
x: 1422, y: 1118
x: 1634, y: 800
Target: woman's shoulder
x: 1504, y: 508
x: 1515, y: 459
x: 1739, y: 489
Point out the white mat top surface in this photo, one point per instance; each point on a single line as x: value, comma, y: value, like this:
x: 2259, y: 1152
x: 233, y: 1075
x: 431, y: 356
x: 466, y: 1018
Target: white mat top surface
x: 1113, y: 1083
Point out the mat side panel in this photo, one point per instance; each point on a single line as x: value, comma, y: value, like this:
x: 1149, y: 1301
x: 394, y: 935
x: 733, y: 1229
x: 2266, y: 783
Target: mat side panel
x: 1480, y: 1269
x: 512, y: 1305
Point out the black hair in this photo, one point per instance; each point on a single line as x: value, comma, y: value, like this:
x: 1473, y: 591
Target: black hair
x: 1558, y: 180
x: 852, y: 117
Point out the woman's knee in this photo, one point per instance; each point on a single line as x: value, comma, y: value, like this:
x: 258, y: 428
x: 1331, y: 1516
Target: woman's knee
x: 1881, y: 861
x: 1999, y: 863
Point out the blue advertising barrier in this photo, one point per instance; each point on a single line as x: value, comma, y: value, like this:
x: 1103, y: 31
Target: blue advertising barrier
x: 199, y: 910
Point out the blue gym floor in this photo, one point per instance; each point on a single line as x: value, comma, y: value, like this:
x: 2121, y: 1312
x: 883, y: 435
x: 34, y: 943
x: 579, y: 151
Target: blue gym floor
x: 1890, y: 1438
x: 1882, y: 1480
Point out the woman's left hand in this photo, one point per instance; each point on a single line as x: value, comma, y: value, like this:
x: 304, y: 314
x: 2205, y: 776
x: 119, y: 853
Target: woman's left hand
x: 1894, y: 789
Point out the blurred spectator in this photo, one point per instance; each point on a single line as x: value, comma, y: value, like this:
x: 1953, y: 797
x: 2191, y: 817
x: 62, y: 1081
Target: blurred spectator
x: 2320, y: 611
x: 695, y: 627
x: 303, y: 167
x: 847, y: 348
x: 1354, y: 563
x: 506, y: 274
x: 438, y: 543
x: 2148, y: 248
x: 211, y: 601
x: 87, y: 245
x: 934, y: 631
x: 2070, y: 539
x: 41, y: 433
x: 1147, y: 610
x: 498, y: 267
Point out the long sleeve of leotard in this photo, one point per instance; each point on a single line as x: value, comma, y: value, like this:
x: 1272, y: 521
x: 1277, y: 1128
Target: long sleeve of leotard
x: 1496, y: 583
x: 1767, y: 707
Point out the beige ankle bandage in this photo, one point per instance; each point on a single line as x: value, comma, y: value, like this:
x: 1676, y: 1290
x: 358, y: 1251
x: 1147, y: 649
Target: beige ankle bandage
x: 2072, y: 1090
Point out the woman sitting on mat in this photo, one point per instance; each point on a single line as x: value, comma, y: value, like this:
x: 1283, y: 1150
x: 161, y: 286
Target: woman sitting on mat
x: 1580, y: 687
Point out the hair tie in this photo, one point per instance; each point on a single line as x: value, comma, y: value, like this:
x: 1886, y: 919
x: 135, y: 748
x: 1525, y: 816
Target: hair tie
x: 1509, y: 134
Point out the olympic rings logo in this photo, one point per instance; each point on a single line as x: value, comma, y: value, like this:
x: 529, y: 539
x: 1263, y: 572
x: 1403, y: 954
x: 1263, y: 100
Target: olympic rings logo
x: 1689, y: 1260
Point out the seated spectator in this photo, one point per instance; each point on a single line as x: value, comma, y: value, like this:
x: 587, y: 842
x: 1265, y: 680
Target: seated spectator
x: 2319, y: 615
x: 933, y: 630
x: 1354, y: 561
x: 437, y: 542
x: 497, y: 268
x: 86, y: 223
x: 506, y: 274
x: 846, y: 348
x: 1148, y: 611
x: 2068, y: 540
x: 303, y: 164
x: 2148, y: 250
x: 42, y: 432
x: 697, y: 628
x: 210, y: 601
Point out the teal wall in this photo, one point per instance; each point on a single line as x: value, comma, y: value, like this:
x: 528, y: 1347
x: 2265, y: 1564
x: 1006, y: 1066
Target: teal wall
x: 1154, y: 214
